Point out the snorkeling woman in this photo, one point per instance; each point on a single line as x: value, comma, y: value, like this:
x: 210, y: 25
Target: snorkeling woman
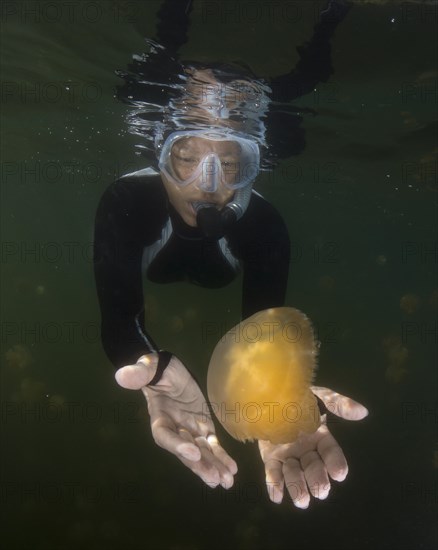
x: 192, y: 215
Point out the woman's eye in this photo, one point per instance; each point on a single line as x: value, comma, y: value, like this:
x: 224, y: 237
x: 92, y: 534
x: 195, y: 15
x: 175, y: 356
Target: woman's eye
x: 187, y: 160
x: 231, y: 165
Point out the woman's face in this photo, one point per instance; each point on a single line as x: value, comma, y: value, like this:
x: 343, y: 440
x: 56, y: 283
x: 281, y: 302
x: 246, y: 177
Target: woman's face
x: 186, y: 156
x: 205, y: 98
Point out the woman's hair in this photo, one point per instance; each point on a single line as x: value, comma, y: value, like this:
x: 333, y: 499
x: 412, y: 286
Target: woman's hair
x: 156, y: 87
x: 166, y: 95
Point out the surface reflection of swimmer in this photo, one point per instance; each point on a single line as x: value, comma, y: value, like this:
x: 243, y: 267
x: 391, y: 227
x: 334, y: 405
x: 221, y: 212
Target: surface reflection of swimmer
x: 196, y: 218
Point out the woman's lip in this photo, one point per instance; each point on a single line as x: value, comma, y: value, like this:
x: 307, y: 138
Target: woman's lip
x: 204, y: 204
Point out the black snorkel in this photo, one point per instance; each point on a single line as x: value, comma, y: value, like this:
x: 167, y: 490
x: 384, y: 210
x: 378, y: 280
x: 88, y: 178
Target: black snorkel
x: 215, y: 223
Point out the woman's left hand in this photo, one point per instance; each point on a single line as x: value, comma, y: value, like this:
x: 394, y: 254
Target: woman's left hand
x: 306, y: 465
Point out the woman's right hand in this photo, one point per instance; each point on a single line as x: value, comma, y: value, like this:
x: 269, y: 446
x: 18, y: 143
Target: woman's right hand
x: 180, y: 418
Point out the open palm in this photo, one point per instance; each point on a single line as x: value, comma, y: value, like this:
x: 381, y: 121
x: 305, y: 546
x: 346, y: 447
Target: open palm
x: 180, y: 419
x: 306, y: 466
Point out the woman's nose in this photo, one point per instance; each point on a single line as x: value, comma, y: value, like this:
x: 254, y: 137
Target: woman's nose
x: 210, y: 174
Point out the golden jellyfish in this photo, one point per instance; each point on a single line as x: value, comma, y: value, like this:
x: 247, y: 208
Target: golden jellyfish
x: 260, y: 374
x: 176, y: 324
x: 397, y: 356
x: 409, y: 303
x: 18, y: 357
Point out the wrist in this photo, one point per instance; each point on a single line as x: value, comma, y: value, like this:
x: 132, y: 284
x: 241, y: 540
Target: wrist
x: 162, y: 361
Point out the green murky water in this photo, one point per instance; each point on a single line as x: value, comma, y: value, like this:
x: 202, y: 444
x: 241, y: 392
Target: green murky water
x: 79, y: 468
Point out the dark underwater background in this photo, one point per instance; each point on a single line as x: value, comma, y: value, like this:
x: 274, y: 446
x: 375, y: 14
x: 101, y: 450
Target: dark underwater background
x: 79, y: 467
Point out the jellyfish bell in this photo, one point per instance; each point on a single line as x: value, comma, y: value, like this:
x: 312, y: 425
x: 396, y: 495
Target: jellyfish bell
x: 260, y: 374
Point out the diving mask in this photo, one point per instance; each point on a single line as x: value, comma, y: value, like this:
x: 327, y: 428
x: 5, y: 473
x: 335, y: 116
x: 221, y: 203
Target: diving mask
x: 211, y: 157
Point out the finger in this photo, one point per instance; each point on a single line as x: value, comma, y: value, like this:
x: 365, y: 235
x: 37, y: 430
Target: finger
x: 340, y: 405
x: 195, y: 454
x: 204, y: 470
x: 220, y: 453
x: 212, y: 464
x: 134, y: 377
x: 332, y: 456
x: 296, y: 483
x: 208, y: 468
x: 316, y: 475
x: 181, y: 444
x: 274, y: 480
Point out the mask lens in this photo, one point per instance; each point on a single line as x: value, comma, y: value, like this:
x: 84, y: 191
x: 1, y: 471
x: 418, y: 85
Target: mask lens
x: 213, y: 158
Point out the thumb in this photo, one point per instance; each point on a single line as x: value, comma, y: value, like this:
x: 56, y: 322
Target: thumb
x: 340, y: 405
x: 134, y: 377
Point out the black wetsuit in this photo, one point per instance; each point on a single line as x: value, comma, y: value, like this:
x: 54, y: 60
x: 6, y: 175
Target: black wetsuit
x: 139, y: 235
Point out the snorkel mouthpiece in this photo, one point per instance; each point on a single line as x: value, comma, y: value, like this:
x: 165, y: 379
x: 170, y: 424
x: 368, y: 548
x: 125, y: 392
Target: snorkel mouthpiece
x: 215, y: 223
x: 211, y: 221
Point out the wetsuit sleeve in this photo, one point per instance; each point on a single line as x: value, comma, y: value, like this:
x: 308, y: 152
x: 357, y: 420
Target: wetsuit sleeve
x: 315, y: 64
x: 264, y: 249
x: 173, y: 21
x: 122, y: 230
